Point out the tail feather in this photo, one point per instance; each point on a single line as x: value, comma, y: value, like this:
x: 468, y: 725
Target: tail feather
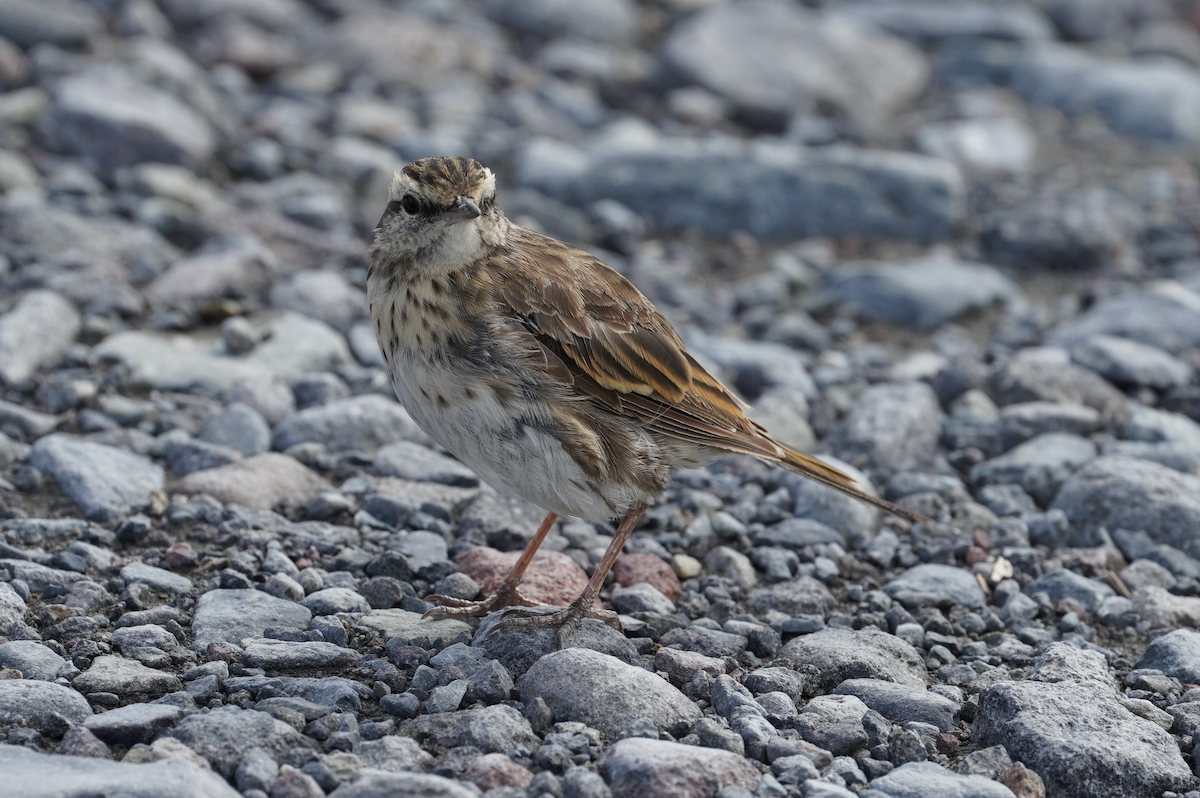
x: 826, y: 474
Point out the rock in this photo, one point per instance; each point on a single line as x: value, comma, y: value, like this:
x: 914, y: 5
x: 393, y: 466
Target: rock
x: 267, y: 395
x: 1076, y: 82
x: 233, y: 266
x: 1126, y: 362
x: 834, y: 722
x: 856, y: 521
x: 261, y: 482
x: 409, y: 460
x: 65, y: 23
x: 919, y: 779
x: 1062, y: 584
x: 769, y: 58
x: 900, y: 703
x: 409, y: 628
x: 890, y: 428
x: 375, y: 784
x: 393, y: 753
x: 230, y: 616
x: 641, y: 768
x: 32, y: 659
x: 1164, y: 318
x: 643, y: 568
x: 157, y: 578
x: 107, y: 483
x: 489, y: 729
x: 783, y: 194
x: 1176, y: 654
x: 803, y: 595
x: 553, y: 579
x: 30, y: 422
x: 13, y: 608
x: 39, y: 577
x: 110, y: 116
x: 362, y: 423
x: 29, y: 774
x: 1065, y: 731
x: 38, y: 331
x: 926, y: 22
x: 1121, y: 493
x: 324, y: 295
x: 640, y: 598
x: 191, y: 456
x: 239, y: 427
x: 991, y: 145
x: 594, y: 20
x: 133, y: 724
x: 1042, y: 380
x: 1039, y: 466
x: 333, y: 600
x: 919, y: 295
x: 1164, y: 610
x: 1025, y: 420
x: 585, y: 686
x: 1161, y: 426
x: 223, y: 736
x: 841, y: 654
x: 37, y: 703
x: 936, y: 585
x: 125, y: 677
x: 293, y: 345
x: 279, y: 655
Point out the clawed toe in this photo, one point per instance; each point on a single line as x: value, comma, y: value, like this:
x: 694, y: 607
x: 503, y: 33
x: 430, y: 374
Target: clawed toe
x: 461, y: 609
x: 566, y: 620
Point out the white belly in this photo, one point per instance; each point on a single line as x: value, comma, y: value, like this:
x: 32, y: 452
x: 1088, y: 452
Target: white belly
x: 519, y: 459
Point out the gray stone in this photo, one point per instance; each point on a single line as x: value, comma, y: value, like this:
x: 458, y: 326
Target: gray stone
x: 260, y: 482
x: 37, y: 703
x: 12, y: 607
x: 803, y: 595
x: 37, y: 331
x: 158, y: 578
x: 1066, y: 732
x: 769, y: 57
x: 592, y: 20
x: 890, y: 428
x: 361, y: 423
x: 1127, y: 362
x: 643, y: 768
x: 1155, y: 100
x: 1037, y: 379
x: 39, y: 577
x: 333, y: 600
x: 834, y: 722
x: 797, y: 533
x: 321, y: 294
x: 133, y: 724
x: 30, y: 422
x: 376, y: 784
x: 1039, y: 466
x: 922, y: 294
x: 294, y: 345
x: 1062, y: 584
x: 229, y: 266
x: 107, y: 483
x: 841, y: 654
x: 234, y: 615
x: 927, y: 22
x: 1176, y: 654
x: 129, y: 638
x: 856, y: 521
x: 29, y: 774
x: 112, y: 117
x: 642, y: 597
x: 490, y: 729
x: 585, y: 686
x: 278, y: 655
x: 998, y: 144
x: 191, y: 456
x: 409, y: 460
x: 1149, y: 425
x: 239, y: 427
x: 1063, y: 662
x: 1025, y: 420
x: 393, y: 753
x: 224, y: 735
x: 1121, y: 493
x: 922, y: 779
x: 775, y: 193
x: 900, y: 703
x: 936, y: 585
x: 32, y: 659
x: 125, y: 677
x: 66, y: 23
x: 409, y: 628
x: 1164, y: 318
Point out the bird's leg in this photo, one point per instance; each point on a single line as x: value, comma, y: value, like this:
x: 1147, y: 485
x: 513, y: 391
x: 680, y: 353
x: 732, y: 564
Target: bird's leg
x: 506, y: 595
x: 569, y: 618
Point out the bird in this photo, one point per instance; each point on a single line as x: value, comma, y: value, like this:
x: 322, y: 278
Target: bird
x: 547, y: 372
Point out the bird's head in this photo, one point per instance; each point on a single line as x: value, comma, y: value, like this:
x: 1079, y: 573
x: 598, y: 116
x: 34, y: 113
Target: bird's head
x: 441, y: 213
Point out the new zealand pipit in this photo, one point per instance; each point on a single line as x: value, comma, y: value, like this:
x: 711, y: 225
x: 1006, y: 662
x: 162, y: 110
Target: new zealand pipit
x: 545, y: 371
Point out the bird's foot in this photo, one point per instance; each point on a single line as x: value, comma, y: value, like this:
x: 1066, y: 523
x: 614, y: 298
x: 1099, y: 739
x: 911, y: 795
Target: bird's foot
x: 461, y: 609
x: 566, y: 619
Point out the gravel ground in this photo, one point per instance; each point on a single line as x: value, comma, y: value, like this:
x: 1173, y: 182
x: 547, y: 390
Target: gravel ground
x: 952, y: 245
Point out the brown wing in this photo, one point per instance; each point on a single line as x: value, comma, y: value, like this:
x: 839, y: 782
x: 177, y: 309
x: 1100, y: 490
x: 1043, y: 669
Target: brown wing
x: 625, y: 356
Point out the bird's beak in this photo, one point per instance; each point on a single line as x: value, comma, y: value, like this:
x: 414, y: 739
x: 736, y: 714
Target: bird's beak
x: 464, y: 209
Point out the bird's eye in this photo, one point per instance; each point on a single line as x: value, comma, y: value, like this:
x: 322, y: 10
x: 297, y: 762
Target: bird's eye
x: 410, y: 204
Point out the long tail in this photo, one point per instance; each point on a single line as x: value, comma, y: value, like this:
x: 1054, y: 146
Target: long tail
x: 826, y: 474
